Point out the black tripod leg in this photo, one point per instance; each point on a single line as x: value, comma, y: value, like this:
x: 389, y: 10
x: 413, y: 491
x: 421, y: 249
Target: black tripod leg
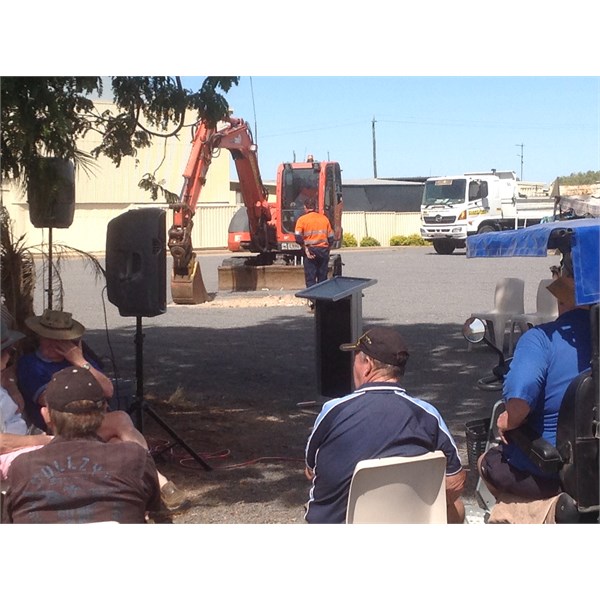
x: 194, y: 454
x: 139, y: 406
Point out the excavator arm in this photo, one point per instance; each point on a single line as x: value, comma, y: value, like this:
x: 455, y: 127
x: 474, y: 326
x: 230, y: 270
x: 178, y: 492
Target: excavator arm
x: 186, y: 281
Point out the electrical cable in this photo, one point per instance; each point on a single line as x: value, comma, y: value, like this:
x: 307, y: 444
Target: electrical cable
x: 158, y: 447
x: 110, y: 348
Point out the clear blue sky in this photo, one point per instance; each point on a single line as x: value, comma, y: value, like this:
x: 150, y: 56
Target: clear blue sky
x: 424, y: 125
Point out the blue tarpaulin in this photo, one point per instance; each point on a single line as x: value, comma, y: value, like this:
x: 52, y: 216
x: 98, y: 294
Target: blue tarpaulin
x: 538, y: 239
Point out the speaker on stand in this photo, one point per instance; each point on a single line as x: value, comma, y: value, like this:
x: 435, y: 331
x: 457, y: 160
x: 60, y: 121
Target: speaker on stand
x: 136, y: 268
x: 51, y: 200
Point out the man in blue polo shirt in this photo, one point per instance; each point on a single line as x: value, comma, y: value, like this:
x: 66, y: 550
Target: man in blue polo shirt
x: 378, y: 420
x: 547, y: 358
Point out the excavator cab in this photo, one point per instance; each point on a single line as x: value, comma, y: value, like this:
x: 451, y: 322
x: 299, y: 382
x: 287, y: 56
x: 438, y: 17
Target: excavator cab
x: 298, y: 181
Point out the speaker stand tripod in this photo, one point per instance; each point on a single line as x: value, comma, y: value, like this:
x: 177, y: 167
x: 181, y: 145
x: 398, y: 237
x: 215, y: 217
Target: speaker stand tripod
x: 140, y: 406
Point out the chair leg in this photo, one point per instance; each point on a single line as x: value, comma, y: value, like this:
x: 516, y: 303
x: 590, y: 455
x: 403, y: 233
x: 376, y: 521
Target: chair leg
x: 511, y: 336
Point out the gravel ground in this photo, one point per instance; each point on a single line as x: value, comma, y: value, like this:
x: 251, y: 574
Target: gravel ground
x: 232, y: 377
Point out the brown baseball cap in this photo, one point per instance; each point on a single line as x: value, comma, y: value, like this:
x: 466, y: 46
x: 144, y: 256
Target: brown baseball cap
x: 384, y: 344
x: 74, y: 390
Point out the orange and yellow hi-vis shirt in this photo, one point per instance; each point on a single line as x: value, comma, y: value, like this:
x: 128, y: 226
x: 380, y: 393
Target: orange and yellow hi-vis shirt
x: 314, y: 230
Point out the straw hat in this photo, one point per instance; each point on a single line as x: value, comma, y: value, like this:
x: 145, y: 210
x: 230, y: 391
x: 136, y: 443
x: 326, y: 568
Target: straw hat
x: 56, y: 325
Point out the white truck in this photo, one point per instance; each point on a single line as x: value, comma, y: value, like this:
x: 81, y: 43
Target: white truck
x: 458, y: 206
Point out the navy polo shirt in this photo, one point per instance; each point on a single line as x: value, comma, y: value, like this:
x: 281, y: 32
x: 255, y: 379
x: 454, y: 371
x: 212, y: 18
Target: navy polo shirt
x: 378, y: 420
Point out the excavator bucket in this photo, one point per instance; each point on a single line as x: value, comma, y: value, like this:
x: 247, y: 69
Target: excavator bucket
x: 189, y: 289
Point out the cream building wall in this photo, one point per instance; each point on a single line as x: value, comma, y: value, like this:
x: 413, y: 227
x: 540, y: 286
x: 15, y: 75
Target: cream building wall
x: 107, y: 191
x: 104, y: 191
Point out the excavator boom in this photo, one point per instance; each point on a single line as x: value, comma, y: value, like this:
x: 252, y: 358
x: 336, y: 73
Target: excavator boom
x: 270, y: 227
x: 186, y: 280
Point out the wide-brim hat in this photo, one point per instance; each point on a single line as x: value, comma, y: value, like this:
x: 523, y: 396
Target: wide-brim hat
x: 10, y: 336
x: 56, y: 325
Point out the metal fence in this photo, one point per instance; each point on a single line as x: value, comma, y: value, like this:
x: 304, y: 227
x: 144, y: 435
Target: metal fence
x: 211, y: 223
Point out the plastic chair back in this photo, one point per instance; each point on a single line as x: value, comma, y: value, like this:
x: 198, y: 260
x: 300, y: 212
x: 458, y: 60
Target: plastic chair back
x: 508, y: 302
x: 509, y: 297
x: 400, y: 489
x: 546, y: 310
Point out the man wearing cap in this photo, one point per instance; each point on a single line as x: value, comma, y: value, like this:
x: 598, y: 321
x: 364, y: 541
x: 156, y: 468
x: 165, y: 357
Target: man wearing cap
x: 78, y: 477
x: 60, y: 346
x: 546, y: 359
x: 378, y: 420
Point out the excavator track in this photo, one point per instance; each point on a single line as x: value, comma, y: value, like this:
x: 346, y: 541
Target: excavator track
x: 236, y: 275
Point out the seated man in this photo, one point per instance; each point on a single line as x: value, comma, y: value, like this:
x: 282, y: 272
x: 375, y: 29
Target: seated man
x: 547, y: 358
x: 13, y: 429
x: 77, y: 477
x: 378, y: 420
x: 60, y: 346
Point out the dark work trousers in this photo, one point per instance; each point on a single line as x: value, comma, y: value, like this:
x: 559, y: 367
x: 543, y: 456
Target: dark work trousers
x: 315, y: 269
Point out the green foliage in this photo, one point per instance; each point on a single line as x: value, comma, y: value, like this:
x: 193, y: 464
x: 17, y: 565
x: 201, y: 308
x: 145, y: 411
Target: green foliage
x: 587, y: 178
x: 369, y: 241
x: 18, y: 273
x: 47, y: 116
x: 349, y: 241
x: 408, y: 240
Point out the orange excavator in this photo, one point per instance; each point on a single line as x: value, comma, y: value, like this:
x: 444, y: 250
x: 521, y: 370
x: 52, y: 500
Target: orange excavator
x: 270, y: 225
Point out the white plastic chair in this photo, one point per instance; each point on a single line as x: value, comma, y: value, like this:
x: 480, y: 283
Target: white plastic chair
x: 546, y: 310
x: 401, y: 489
x: 508, y: 303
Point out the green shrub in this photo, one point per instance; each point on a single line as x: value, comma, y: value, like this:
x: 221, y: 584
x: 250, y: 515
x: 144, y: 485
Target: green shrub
x: 349, y: 241
x: 408, y: 240
x: 369, y: 241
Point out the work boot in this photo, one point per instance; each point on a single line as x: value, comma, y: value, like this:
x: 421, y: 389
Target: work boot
x: 173, y: 498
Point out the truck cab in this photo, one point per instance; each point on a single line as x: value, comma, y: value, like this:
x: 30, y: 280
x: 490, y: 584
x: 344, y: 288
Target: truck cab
x: 453, y: 207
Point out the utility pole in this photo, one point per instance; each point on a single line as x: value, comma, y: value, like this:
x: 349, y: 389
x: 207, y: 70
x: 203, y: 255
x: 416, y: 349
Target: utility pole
x: 374, y: 151
x: 521, y: 155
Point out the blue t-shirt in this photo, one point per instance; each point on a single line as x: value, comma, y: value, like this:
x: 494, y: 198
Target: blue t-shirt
x: 33, y: 375
x: 547, y: 358
x: 378, y: 420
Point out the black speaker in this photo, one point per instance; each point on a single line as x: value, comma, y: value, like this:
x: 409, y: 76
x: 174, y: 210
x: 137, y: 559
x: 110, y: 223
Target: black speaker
x: 136, y: 264
x: 51, y: 192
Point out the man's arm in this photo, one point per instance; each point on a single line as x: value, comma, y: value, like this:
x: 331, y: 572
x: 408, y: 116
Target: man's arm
x: 8, y: 379
x: 455, y: 485
x: 13, y: 441
x: 514, y: 416
x: 74, y: 354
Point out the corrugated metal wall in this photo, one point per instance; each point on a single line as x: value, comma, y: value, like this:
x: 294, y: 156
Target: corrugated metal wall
x: 88, y: 231
x: 381, y: 225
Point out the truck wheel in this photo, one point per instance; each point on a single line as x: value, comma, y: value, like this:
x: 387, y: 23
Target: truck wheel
x: 486, y: 229
x: 444, y: 246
